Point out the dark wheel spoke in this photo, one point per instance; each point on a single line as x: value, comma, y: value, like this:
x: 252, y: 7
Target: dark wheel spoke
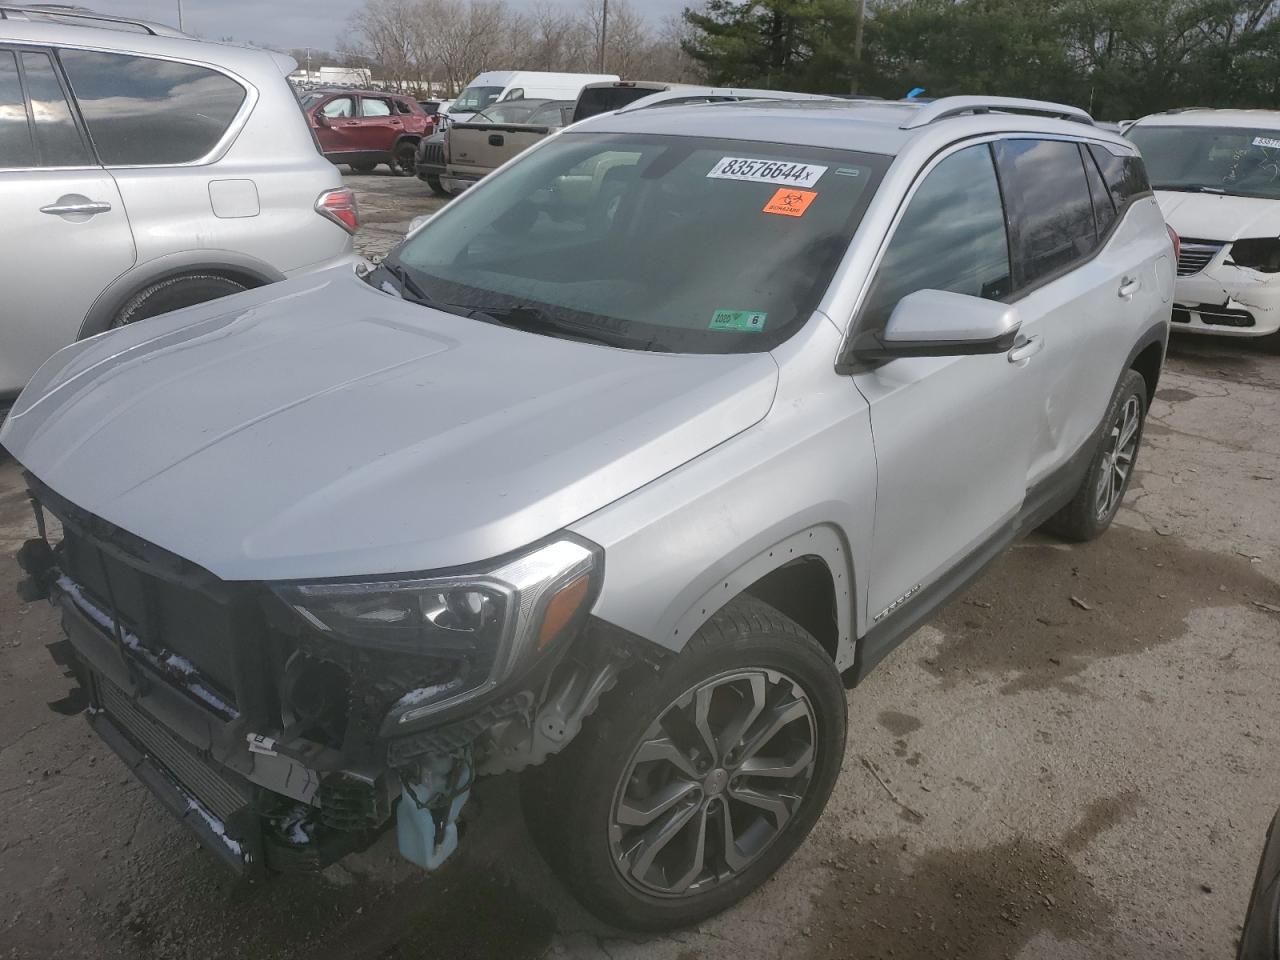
x: 659, y: 837
x: 774, y: 803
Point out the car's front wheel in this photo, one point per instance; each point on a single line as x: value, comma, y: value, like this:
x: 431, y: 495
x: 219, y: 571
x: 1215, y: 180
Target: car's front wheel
x: 692, y: 785
x: 437, y: 187
x: 1098, y: 499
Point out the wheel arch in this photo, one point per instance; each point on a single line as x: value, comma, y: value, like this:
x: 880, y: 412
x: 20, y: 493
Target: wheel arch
x: 806, y: 576
x: 239, y: 267
x: 1147, y: 357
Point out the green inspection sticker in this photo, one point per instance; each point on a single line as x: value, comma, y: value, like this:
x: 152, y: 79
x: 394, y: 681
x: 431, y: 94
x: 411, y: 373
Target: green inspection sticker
x: 749, y: 321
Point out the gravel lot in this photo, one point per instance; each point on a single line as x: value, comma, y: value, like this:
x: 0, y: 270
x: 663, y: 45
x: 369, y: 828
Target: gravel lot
x: 1029, y: 776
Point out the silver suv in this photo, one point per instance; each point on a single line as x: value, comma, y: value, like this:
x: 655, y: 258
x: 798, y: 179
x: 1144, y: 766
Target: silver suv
x: 616, y: 473
x: 142, y: 171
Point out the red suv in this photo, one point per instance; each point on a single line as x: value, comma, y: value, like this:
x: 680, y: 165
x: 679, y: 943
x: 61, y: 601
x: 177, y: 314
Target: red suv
x: 363, y: 128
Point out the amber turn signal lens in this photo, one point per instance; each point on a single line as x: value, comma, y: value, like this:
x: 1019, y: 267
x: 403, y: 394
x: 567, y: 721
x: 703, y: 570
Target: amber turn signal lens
x: 562, y: 608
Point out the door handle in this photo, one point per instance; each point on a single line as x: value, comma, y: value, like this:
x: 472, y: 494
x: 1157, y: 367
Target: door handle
x: 1027, y: 349
x: 66, y: 205
x: 1128, y: 287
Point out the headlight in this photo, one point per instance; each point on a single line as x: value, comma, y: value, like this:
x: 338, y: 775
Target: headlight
x: 489, y: 624
x: 1262, y: 254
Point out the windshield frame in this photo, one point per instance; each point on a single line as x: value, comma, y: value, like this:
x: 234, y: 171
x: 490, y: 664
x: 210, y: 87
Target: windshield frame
x: 1154, y: 158
x: 642, y: 335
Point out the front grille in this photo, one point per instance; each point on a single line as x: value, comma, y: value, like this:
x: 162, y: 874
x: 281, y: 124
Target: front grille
x: 219, y: 793
x: 432, y: 152
x: 171, y: 619
x: 1195, y: 256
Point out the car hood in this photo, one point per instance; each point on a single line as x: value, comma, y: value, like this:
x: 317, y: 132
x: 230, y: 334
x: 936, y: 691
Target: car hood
x: 1208, y: 216
x: 319, y: 428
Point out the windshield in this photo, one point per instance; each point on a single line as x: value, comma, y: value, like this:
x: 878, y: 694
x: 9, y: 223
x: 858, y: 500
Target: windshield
x: 475, y: 98
x: 1235, y: 160
x: 660, y: 243
x: 509, y: 111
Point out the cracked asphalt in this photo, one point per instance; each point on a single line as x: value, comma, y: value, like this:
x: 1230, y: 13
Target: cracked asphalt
x: 1078, y: 758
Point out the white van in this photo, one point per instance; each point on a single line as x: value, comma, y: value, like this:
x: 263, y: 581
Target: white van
x: 496, y: 85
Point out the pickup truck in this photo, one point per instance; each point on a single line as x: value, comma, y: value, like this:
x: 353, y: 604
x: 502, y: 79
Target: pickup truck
x: 493, y: 136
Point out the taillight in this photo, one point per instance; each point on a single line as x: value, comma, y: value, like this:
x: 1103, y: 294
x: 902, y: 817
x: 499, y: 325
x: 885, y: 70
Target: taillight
x: 339, y: 205
x: 1177, y: 241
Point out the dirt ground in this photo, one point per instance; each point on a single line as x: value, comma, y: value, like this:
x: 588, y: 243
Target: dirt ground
x: 1077, y: 759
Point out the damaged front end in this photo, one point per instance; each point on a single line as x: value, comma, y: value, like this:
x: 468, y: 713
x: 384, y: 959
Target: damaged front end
x: 289, y: 724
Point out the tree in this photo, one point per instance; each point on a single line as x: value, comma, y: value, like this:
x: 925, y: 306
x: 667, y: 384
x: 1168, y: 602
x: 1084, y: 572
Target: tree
x: 782, y: 44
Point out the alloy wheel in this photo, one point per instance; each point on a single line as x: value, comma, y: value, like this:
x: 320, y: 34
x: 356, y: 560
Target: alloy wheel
x: 713, y: 782
x: 1118, y: 457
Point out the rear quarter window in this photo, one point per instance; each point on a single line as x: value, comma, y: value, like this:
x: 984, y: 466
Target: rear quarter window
x: 141, y: 110
x: 1125, y: 176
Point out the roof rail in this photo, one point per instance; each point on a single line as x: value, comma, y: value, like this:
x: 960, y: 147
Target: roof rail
x: 957, y: 106
x: 64, y: 12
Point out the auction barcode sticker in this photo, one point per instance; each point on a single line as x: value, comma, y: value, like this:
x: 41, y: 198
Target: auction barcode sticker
x: 767, y: 171
x: 1266, y: 142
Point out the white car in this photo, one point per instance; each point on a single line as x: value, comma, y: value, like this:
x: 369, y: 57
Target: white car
x: 1216, y: 174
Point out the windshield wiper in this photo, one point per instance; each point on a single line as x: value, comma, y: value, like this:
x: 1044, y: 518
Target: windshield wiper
x: 533, y: 320
x: 408, y: 285
x: 1188, y: 188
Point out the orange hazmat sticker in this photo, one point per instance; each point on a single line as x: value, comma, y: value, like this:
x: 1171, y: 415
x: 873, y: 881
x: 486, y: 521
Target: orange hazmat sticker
x: 789, y: 202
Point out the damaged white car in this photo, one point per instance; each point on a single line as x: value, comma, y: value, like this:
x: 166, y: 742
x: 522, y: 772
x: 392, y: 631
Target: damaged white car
x: 615, y: 473
x: 1216, y: 174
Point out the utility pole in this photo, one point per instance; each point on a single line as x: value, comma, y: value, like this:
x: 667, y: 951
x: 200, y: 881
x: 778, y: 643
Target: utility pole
x: 181, y: 28
x: 857, y: 43
x: 604, y: 34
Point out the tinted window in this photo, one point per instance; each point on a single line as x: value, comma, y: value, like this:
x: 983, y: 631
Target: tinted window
x: 1126, y: 177
x: 374, y: 108
x: 147, y: 111
x: 552, y: 115
x: 1104, y: 211
x: 403, y: 106
x: 15, y: 135
x: 951, y: 237
x: 1049, y: 205
x: 57, y: 139
x: 597, y: 100
x: 341, y: 107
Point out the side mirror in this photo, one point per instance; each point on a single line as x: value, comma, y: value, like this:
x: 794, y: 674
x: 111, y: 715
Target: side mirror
x: 936, y: 323
x: 321, y: 119
x: 418, y: 222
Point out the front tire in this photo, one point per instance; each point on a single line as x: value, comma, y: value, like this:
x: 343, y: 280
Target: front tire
x: 433, y: 181
x: 694, y: 784
x: 1097, y: 501
x: 174, y: 294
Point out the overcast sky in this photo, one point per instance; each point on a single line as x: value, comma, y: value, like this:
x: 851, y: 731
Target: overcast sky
x: 290, y: 23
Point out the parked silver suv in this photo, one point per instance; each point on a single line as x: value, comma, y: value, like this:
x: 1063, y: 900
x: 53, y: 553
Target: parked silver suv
x: 616, y: 473
x: 142, y: 171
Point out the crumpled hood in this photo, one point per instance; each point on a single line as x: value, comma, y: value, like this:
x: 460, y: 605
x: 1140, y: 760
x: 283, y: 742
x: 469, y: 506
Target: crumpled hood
x: 319, y: 427
x: 1208, y: 216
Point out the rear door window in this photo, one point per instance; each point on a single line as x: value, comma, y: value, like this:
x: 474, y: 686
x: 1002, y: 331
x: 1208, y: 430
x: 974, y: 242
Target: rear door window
x: 1049, y: 206
x: 374, y: 107
x: 16, y: 149
x: 1104, y: 211
x: 145, y: 111
x: 951, y: 237
x: 58, y: 139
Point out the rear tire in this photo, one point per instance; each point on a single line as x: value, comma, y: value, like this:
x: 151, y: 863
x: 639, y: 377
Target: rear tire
x: 433, y: 181
x: 1096, y: 502
x: 363, y: 167
x: 601, y: 812
x: 174, y: 294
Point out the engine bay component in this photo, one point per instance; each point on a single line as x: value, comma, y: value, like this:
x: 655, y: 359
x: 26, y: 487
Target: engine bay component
x: 427, y: 815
